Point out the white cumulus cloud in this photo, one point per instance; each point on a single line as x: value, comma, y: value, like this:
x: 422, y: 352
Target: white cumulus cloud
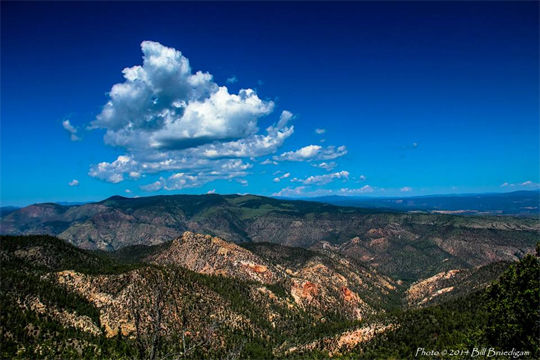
x: 114, y: 171
x: 196, y: 176
x: 170, y: 118
x: 308, y: 191
x: 164, y: 105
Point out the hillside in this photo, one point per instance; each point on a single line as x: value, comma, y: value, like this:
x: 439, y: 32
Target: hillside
x: 62, y: 302
x: 406, y: 246
x: 216, y: 300
x: 504, y: 317
x: 222, y: 297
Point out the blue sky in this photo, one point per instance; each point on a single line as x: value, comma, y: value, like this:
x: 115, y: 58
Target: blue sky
x: 293, y: 99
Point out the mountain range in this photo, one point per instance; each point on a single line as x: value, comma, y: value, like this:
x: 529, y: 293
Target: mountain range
x: 408, y: 246
x: 250, y: 277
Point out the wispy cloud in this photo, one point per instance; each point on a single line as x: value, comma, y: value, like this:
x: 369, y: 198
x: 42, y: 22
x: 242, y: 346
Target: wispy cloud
x: 233, y: 79
x: 307, y: 191
x: 363, y: 190
x: 320, y: 131
x: 284, y: 176
x: 405, y: 189
x: 324, y: 179
x: 228, y: 170
x: 329, y: 166
x: 528, y: 184
x: 313, y: 153
x: 290, y: 191
x: 74, y: 182
x: 269, y: 162
x: 66, y: 124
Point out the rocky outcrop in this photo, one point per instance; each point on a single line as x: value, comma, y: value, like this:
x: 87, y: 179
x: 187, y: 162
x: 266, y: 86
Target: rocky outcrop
x: 66, y: 318
x: 211, y: 255
x: 121, y: 298
x: 452, y: 283
x: 341, y: 343
x: 113, y: 305
x: 319, y: 283
x: 426, y: 290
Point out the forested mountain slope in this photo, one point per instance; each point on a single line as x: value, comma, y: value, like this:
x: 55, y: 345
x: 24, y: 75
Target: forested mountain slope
x: 258, y: 301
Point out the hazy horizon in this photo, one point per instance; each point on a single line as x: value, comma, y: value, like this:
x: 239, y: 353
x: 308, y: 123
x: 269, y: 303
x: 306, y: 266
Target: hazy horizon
x: 367, y: 196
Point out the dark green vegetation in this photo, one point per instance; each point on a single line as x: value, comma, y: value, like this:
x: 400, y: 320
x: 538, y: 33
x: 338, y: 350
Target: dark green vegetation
x: 405, y: 246
x: 513, y: 305
x: 200, y: 316
x: 26, y: 333
x: 504, y: 316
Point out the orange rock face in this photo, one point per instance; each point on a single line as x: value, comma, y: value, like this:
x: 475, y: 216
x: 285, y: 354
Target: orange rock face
x: 347, y: 294
x: 376, y: 232
x: 309, y: 290
x: 304, y: 292
x: 258, y: 268
x: 211, y: 255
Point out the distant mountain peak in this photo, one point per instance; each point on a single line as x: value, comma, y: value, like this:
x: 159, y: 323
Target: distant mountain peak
x: 115, y: 198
